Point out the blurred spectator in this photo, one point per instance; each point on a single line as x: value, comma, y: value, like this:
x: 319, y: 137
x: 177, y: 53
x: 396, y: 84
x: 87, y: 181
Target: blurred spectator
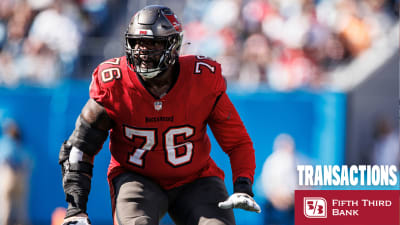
x: 217, y: 20
x: 36, y: 53
x: 15, y: 31
x: 306, y: 39
x: 91, y: 15
x: 279, y: 180
x: 8, y: 70
x: 293, y: 69
x: 17, y: 26
x: 59, y: 32
x: 6, y: 11
x: 15, y: 166
x: 40, y: 39
x: 377, y: 15
x: 254, y: 12
x: 327, y: 51
x: 355, y: 32
x: 290, y: 26
x: 386, y: 144
x: 254, y: 61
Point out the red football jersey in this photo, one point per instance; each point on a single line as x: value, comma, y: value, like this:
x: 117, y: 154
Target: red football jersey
x: 165, y: 139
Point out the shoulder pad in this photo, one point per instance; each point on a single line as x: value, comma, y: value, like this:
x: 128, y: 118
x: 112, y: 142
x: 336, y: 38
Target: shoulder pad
x: 110, y: 70
x: 200, y: 64
x: 104, y: 80
x: 206, y: 72
x: 203, y: 64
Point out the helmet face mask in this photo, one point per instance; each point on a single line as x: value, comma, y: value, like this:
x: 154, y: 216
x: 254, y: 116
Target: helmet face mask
x: 152, y: 41
x: 147, y: 60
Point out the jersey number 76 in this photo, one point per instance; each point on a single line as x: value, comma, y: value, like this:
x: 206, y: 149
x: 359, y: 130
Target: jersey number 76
x: 138, y: 155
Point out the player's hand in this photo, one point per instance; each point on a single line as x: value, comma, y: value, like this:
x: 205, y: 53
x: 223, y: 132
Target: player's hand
x: 242, y: 201
x: 80, y: 219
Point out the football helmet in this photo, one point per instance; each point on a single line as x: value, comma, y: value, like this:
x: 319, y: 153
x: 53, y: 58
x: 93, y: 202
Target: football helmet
x: 156, y: 24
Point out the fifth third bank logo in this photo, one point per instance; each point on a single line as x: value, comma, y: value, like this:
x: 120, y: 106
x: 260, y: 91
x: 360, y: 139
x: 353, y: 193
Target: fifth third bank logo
x: 315, y: 207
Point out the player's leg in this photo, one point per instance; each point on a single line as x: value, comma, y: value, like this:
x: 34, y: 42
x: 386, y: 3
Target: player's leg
x: 6, y: 188
x: 20, y: 196
x: 197, y: 203
x: 138, y: 200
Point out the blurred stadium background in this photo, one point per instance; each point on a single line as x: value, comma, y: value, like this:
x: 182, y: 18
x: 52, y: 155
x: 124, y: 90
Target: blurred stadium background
x: 323, y: 71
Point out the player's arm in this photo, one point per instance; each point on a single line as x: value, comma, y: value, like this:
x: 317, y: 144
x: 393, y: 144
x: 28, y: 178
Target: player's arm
x: 233, y: 138
x: 76, y: 158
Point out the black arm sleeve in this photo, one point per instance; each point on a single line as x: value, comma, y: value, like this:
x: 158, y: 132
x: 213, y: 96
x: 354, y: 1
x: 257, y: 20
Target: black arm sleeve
x: 77, y: 175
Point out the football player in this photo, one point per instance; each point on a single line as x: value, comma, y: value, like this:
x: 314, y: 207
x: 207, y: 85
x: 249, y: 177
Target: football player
x: 156, y: 106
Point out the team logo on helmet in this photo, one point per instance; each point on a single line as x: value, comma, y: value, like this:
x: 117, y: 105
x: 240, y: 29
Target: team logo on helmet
x: 174, y: 21
x: 143, y: 32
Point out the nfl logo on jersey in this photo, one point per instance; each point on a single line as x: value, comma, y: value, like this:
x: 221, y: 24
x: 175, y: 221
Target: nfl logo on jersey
x: 158, y: 105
